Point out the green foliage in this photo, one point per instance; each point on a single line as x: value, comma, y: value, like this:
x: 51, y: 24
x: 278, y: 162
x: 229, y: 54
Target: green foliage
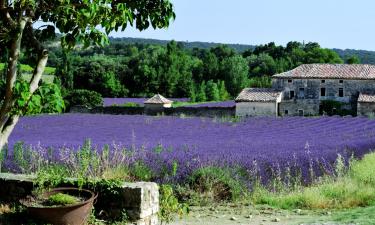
x: 212, y: 91
x: 141, y: 171
x: 140, y: 70
x: 28, y: 69
x: 223, y: 93
x: 353, y: 60
x: 260, y: 82
x: 97, y: 73
x: 131, y: 104
x: 169, y: 205
x: 363, y: 170
x: 61, y: 199
x: 85, y: 98
x: 332, y: 107
x: 51, y: 176
x: 349, y: 188
x: 217, y: 184
x: 235, y: 73
x: 47, y: 99
x: 200, y: 95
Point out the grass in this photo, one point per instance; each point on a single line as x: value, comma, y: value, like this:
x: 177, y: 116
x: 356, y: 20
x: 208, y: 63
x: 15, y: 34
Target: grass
x: 363, y: 216
x: 181, y: 104
x: 354, y: 188
x: 29, y: 69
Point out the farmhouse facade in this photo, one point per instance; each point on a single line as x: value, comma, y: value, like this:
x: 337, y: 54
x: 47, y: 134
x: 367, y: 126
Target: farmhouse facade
x: 302, y: 91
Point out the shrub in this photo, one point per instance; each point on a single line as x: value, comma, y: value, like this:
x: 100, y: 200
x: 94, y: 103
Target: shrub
x: 169, y: 205
x: 332, y: 107
x: 84, y: 97
x: 217, y: 184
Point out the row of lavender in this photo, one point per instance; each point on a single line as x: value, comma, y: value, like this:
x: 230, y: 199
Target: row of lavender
x: 261, y: 147
x: 140, y: 101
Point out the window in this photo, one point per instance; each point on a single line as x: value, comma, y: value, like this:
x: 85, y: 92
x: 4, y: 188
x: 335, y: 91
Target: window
x: 300, y: 112
x: 290, y: 81
x: 301, y: 93
x: 341, y: 92
x: 322, y: 92
x: 291, y: 94
x: 341, y: 81
x: 286, y: 112
x: 323, y: 81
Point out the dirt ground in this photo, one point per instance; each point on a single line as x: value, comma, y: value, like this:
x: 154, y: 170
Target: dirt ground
x: 237, y: 214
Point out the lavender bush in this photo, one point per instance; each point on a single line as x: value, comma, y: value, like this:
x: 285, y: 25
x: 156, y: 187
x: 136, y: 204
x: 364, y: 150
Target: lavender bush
x: 173, y: 148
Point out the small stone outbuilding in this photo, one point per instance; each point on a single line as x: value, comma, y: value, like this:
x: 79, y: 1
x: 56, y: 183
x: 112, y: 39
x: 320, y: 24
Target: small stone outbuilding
x: 366, y: 105
x: 258, y: 101
x: 157, y: 104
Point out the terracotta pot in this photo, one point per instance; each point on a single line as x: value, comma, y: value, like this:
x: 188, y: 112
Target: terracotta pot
x: 76, y: 214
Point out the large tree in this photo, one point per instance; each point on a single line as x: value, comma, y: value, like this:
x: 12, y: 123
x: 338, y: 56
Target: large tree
x: 79, y: 21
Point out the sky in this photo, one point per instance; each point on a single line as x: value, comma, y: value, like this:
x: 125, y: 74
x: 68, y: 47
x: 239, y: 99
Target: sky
x: 345, y: 24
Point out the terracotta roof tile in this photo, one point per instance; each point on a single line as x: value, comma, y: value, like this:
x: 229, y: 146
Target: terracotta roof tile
x: 366, y: 97
x: 333, y: 71
x: 258, y: 95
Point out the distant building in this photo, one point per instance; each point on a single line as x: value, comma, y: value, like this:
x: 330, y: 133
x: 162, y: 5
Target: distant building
x: 157, y: 104
x: 258, y: 101
x: 301, y: 91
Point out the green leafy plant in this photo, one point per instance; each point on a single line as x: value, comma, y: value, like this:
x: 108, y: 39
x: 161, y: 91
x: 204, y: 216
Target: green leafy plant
x: 169, y: 205
x: 61, y: 199
x: 217, y: 184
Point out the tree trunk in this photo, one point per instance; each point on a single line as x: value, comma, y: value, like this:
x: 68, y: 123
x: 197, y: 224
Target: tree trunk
x: 7, y: 121
x: 7, y: 131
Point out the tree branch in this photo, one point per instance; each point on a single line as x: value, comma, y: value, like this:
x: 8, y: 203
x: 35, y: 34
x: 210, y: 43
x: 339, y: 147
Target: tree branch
x: 38, y: 72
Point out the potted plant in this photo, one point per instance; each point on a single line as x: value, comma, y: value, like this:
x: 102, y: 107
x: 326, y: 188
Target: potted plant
x: 59, y: 206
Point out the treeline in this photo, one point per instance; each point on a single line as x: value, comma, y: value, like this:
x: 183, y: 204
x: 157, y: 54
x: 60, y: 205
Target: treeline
x: 217, y: 73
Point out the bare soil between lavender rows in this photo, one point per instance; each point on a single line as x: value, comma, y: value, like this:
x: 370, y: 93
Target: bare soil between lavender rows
x: 263, y: 215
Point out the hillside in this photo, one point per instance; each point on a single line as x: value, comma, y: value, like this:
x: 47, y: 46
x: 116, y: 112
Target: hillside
x: 186, y: 44
x: 366, y: 57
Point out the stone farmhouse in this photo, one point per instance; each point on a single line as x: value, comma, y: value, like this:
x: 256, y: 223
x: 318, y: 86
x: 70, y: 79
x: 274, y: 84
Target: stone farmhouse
x: 301, y: 91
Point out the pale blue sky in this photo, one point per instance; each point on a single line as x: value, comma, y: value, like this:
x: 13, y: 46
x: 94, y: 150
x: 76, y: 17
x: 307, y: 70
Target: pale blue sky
x: 332, y: 23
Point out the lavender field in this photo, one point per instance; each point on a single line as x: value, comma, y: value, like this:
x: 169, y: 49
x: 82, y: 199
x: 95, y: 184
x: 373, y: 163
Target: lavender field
x: 259, y: 145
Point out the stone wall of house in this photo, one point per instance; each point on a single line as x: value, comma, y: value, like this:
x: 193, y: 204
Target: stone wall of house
x: 307, y: 93
x: 140, y: 200
x: 366, y: 109
x: 309, y: 107
x: 312, y: 88
x: 179, y: 111
x: 256, y: 109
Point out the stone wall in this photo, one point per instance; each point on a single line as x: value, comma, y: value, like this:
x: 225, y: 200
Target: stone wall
x: 256, y: 109
x: 293, y: 107
x: 179, y: 111
x: 201, y: 111
x: 366, y: 109
x: 139, y: 200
